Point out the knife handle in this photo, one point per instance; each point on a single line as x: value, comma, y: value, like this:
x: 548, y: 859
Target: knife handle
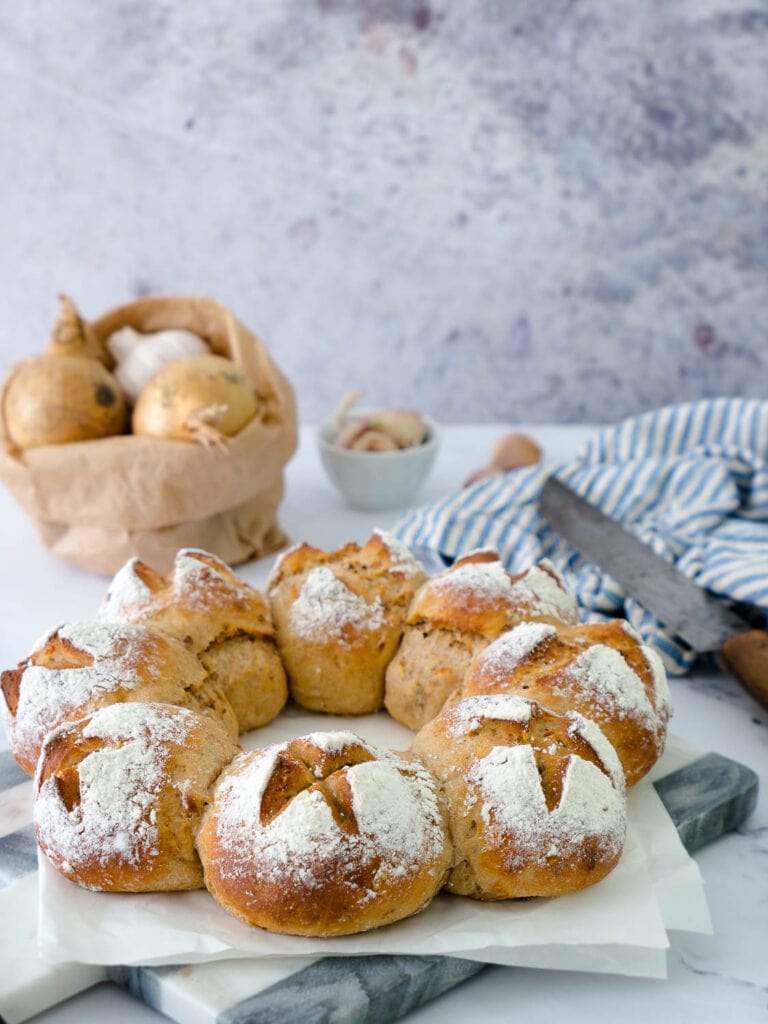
x: 746, y: 654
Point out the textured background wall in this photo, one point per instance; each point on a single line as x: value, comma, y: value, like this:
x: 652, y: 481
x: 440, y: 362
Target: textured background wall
x: 524, y: 209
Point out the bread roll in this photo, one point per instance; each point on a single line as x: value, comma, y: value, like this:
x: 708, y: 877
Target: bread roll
x: 120, y: 794
x: 221, y: 618
x: 324, y: 835
x: 601, y: 670
x: 456, y: 614
x: 339, y: 618
x: 82, y: 666
x: 535, y: 800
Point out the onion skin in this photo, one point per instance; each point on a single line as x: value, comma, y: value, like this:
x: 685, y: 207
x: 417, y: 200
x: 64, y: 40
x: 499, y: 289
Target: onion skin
x: 55, y: 399
x: 199, y: 398
x: 73, y: 336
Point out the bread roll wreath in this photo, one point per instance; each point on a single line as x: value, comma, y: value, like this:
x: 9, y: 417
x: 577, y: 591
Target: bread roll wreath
x: 528, y: 724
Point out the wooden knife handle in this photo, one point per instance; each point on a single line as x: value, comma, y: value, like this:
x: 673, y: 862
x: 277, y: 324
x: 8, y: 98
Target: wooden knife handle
x: 746, y: 654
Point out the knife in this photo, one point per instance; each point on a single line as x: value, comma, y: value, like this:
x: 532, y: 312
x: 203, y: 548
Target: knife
x: 694, y: 614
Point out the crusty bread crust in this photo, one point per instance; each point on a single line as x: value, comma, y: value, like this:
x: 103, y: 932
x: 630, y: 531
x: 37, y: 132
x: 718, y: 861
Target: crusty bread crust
x: 120, y: 795
x: 453, y: 617
x: 80, y: 667
x: 339, y: 617
x: 535, y: 801
x: 324, y: 835
x: 219, y: 617
x: 601, y: 670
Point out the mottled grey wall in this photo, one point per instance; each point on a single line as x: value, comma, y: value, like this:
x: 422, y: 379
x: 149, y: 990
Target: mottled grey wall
x: 527, y: 210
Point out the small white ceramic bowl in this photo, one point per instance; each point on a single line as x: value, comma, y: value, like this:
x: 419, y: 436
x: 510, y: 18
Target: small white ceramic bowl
x: 378, y: 480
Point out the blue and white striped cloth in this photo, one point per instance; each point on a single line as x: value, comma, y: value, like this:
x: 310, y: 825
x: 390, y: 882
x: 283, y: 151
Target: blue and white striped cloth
x: 690, y: 480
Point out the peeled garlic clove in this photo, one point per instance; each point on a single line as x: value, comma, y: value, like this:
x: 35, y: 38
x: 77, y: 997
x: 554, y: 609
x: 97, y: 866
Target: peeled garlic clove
x: 404, y: 426
x: 140, y: 356
x: 374, y: 441
x: 514, y: 450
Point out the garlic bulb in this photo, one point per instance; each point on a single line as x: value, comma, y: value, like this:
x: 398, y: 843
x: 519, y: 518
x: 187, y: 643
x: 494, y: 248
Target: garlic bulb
x: 139, y: 356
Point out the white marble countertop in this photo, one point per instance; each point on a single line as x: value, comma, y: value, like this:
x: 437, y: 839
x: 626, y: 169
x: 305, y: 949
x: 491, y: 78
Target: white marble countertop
x: 711, y: 978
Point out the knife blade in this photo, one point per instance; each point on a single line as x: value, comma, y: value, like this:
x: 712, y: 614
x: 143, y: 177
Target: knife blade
x: 694, y: 614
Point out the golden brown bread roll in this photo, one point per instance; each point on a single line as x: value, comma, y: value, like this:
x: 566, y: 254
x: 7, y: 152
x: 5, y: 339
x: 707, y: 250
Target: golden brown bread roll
x: 601, y: 670
x: 221, y: 618
x: 82, y: 666
x: 324, y: 835
x: 339, y: 616
x: 457, y: 613
x: 535, y: 800
x: 120, y: 794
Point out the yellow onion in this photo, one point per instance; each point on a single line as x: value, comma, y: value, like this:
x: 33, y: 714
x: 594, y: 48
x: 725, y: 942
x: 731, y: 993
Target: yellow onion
x: 202, y: 398
x: 54, y: 399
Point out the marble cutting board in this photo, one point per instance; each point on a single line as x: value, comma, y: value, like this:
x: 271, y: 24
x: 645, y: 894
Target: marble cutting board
x: 706, y: 797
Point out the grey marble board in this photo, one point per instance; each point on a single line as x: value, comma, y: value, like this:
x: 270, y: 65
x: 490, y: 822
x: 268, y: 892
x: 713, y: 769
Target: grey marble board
x: 706, y: 798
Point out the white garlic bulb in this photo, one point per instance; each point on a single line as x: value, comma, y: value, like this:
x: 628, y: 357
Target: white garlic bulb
x: 139, y: 356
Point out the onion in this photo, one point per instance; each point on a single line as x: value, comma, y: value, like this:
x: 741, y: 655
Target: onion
x: 53, y: 399
x: 66, y: 394
x: 73, y: 336
x: 199, y: 398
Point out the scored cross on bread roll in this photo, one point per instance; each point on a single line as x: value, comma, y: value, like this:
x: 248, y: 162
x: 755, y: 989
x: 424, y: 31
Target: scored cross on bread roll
x: 457, y: 613
x: 221, y: 619
x: 324, y: 835
x: 82, y: 666
x: 120, y: 794
x: 602, y: 670
x: 535, y: 800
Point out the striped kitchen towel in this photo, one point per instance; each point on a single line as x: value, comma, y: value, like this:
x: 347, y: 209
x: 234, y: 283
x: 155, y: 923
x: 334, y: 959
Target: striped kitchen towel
x: 690, y: 480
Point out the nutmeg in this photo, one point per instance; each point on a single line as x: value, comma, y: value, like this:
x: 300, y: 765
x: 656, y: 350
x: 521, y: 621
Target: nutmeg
x: 509, y: 452
x: 514, y: 450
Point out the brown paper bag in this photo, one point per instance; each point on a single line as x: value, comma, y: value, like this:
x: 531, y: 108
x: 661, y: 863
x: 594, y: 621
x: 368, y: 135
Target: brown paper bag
x: 97, y: 503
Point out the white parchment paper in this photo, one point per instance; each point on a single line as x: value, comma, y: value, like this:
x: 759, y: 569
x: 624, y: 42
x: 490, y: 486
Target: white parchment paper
x: 617, y: 926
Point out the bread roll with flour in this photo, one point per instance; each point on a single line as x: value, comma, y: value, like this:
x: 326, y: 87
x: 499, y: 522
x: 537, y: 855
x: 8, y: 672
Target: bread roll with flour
x: 219, y: 617
x: 457, y: 613
x: 535, y: 800
x: 339, y: 617
x: 602, y: 670
x: 324, y: 835
x: 82, y: 666
x: 120, y: 794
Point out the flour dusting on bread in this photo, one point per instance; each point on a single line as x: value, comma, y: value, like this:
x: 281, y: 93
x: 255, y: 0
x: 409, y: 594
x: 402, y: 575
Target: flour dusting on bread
x: 326, y: 609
